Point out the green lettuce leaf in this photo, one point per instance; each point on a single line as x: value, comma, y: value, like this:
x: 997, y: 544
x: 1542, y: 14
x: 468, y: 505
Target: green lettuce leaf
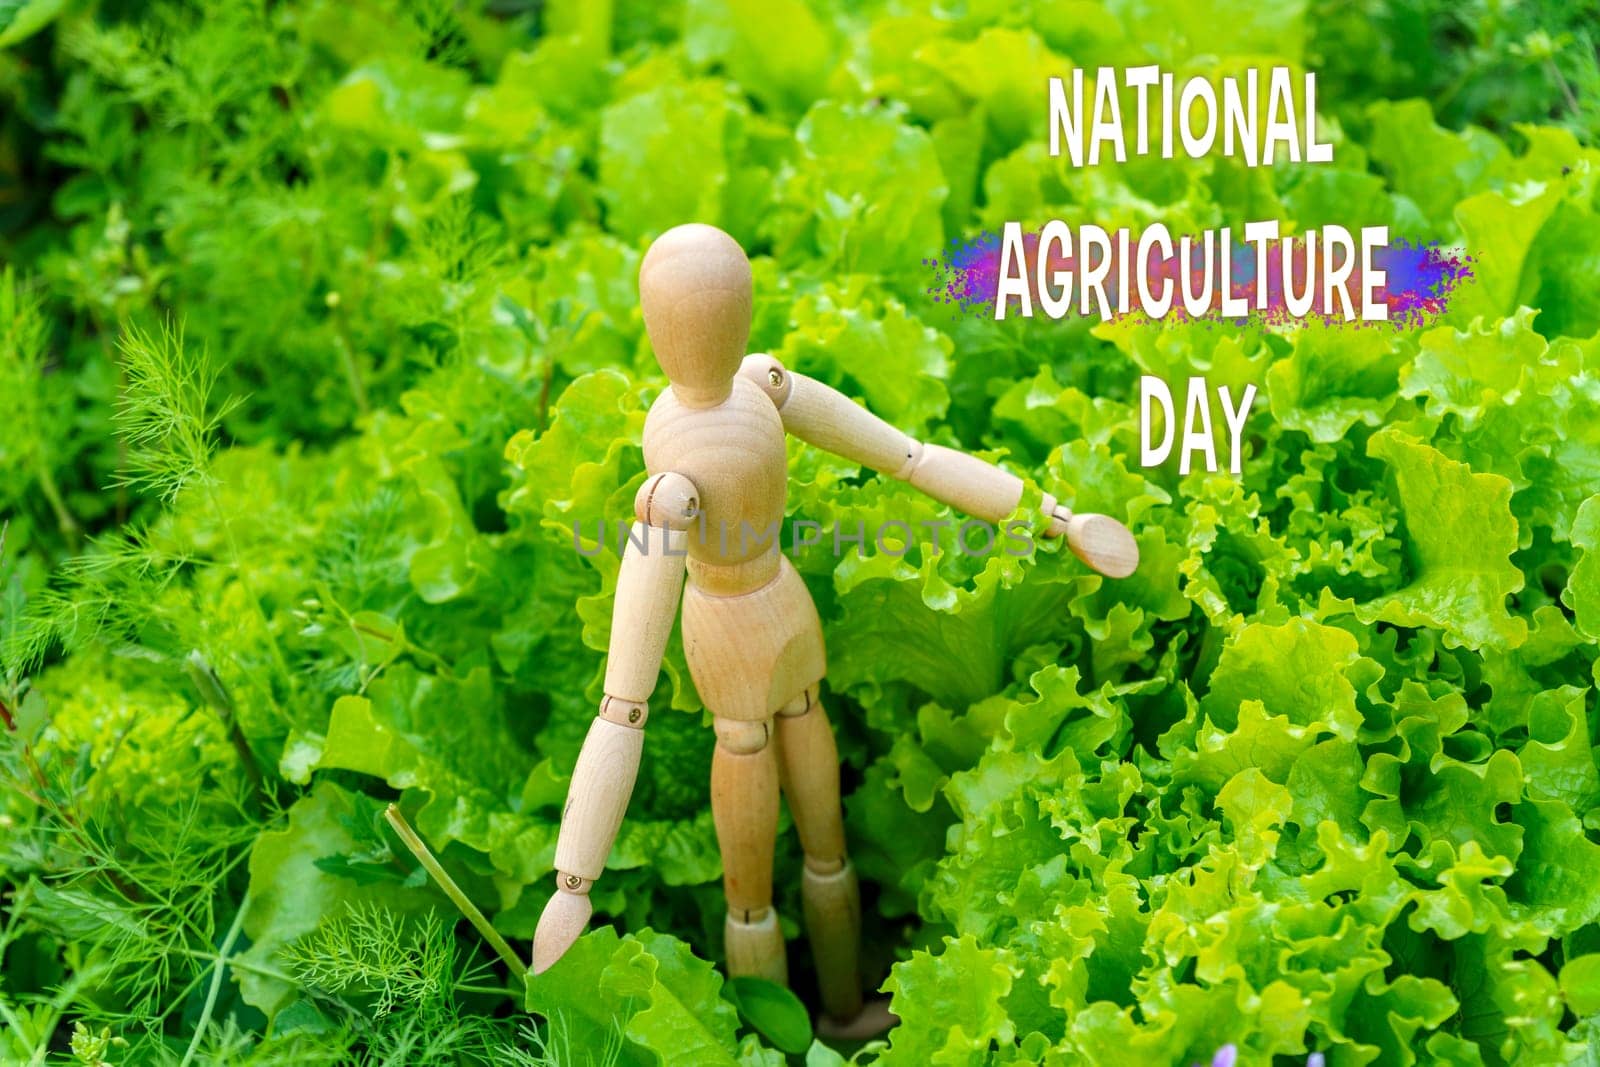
x: 1460, y: 536
x: 649, y: 989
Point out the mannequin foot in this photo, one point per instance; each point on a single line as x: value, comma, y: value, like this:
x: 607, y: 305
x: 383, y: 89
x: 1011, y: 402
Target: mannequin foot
x: 873, y: 1020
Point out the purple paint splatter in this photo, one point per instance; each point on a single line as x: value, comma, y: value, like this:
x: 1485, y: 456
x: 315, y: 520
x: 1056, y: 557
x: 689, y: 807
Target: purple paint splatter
x: 969, y: 275
x: 1419, y: 280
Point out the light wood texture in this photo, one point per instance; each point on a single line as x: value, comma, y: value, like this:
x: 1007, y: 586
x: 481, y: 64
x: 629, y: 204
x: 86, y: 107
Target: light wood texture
x: 668, y: 500
x: 624, y: 712
x: 602, y: 781
x: 832, y: 904
x: 828, y: 419
x: 564, y: 919
x: 966, y: 483
x: 694, y: 289
x: 744, y: 808
x: 743, y: 737
x: 873, y: 1020
x: 648, y: 588
x: 735, y: 455
x: 752, y: 653
x: 732, y: 579
x: 809, y: 758
x: 824, y: 417
x: 756, y: 948
x: 769, y: 375
x: 1104, y: 544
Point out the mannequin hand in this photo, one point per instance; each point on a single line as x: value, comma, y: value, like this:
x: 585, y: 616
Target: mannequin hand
x: 1104, y: 544
x: 564, y: 920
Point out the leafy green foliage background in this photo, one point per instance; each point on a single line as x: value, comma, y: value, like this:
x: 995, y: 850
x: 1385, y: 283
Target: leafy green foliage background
x: 320, y: 330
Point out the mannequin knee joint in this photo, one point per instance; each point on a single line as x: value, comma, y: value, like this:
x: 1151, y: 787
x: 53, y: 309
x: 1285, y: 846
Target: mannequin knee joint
x: 801, y: 704
x: 742, y: 738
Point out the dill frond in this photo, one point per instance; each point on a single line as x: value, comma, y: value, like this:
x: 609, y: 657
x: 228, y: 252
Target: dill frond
x: 143, y: 903
x: 396, y: 981
x: 438, y: 25
x: 458, y: 245
x: 370, y: 950
x: 116, y: 592
x: 551, y: 1046
x: 23, y: 332
x: 454, y: 267
x: 34, y: 405
x: 166, y: 414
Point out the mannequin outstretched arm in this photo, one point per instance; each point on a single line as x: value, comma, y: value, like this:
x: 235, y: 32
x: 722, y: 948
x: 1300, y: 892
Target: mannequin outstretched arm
x: 825, y: 417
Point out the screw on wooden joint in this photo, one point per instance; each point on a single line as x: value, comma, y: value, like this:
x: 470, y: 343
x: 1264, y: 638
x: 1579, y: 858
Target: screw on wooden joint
x: 573, y: 881
x: 623, y: 712
x: 648, y: 509
x: 775, y: 376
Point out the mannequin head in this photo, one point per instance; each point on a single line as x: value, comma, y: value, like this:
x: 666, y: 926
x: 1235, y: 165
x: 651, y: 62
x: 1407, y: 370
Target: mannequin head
x: 694, y: 288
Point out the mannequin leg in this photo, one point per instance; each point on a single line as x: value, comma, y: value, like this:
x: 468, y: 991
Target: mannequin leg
x: 744, y: 806
x: 810, y: 763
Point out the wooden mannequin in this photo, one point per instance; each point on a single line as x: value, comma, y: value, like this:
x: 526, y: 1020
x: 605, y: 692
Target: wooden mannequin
x: 714, y: 447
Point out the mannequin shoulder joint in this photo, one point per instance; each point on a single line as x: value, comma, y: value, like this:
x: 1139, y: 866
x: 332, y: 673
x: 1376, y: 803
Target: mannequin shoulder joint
x: 667, y: 500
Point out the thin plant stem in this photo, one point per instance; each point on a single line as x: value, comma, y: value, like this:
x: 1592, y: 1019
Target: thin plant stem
x: 245, y: 583
x: 264, y: 970
x: 425, y: 857
x: 1566, y: 90
x: 58, y: 505
x: 214, y: 693
x: 544, y: 393
x: 217, y: 971
x: 347, y: 357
